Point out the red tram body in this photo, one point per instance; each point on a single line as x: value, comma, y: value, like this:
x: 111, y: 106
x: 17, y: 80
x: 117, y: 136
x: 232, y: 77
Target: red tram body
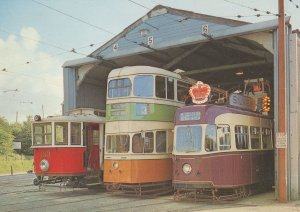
x: 221, y: 152
x: 68, y: 148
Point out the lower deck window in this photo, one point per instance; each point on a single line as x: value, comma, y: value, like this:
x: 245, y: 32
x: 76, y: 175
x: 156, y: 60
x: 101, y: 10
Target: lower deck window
x: 224, y: 137
x: 241, y: 137
x: 143, y: 145
x: 161, y: 141
x: 61, y: 133
x: 42, y: 134
x: 255, y: 137
x: 75, y: 133
x: 266, y: 138
x: 211, y: 138
x: 117, y: 143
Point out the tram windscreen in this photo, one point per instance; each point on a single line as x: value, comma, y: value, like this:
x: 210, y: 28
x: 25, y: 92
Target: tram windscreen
x: 188, y: 139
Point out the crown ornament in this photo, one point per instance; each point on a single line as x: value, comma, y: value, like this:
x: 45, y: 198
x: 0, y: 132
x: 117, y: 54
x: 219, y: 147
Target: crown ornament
x: 199, y: 92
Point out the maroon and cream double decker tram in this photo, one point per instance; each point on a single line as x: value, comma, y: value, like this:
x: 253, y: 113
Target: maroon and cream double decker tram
x: 221, y: 152
x: 69, y: 149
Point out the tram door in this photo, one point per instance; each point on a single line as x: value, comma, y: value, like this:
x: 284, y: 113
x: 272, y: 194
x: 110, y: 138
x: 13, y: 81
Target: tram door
x: 92, y: 155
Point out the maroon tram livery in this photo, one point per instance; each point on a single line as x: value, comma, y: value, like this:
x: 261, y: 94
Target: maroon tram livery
x: 69, y: 149
x: 221, y: 152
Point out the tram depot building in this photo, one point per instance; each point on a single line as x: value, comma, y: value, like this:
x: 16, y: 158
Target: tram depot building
x: 218, y: 51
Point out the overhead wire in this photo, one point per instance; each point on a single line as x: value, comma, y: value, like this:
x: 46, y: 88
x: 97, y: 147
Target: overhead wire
x: 73, y: 17
x: 251, y: 8
x: 92, y: 25
x: 296, y: 5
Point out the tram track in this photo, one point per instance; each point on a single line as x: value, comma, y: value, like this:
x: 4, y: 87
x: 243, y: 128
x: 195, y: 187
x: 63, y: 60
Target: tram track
x: 57, y: 204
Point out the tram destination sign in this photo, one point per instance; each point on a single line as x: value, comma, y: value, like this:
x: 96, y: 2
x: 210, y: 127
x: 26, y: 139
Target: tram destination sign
x: 242, y: 101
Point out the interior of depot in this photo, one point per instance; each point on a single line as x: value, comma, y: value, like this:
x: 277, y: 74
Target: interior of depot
x: 225, y: 63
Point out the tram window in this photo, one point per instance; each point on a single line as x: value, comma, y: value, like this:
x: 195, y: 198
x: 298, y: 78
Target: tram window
x: 241, y: 137
x: 137, y: 143
x: 160, y: 87
x: 117, y: 143
x: 161, y: 141
x: 188, y: 139
x: 61, y: 133
x: 143, y: 86
x: 75, y: 133
x: 119, y: 87
x: 42, y: 134
x: 170, y: 140
x: 96, y: 137
x: 170, y: 88
x: 224, y: 137
x: 255, y: 137
x: 182, y: 91
x: 148, y: 142
x: 143, y: 145
x: 266, y: 138
x: 211, y: 138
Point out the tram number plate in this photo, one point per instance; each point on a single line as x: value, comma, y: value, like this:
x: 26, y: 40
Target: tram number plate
x: 45, y: 154
x: 281, y: 140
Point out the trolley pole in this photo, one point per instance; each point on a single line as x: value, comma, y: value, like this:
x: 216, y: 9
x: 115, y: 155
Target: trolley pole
x: 281, y: 167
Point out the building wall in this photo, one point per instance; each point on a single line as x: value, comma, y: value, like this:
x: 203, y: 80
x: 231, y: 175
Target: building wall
x: 91, y: 95
x: 293, y: 101
x: 69, y: 75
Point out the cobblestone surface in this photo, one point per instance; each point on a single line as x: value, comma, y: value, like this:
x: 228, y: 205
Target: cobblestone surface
x: 17, y: 193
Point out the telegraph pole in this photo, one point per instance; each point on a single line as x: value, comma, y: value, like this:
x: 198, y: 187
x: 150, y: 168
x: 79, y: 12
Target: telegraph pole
x: 281, y: 152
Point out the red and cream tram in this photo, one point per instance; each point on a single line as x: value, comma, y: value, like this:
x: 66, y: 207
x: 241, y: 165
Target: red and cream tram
x: 221, y: 152
x: 68, y: 149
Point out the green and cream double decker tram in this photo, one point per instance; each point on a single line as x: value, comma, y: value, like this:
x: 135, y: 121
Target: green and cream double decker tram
x: 141, y: 103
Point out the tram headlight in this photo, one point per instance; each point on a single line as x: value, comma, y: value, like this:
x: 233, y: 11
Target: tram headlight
x: 115, y: 165
x: 44, y: 165
x: 186, y: 168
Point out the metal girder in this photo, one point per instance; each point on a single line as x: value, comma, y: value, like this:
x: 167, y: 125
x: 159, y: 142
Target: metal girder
x: 248, y: 50
x: 228, y: 67
x: 180, y: 57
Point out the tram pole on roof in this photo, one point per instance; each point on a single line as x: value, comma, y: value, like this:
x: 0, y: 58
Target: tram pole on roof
x: 281, y: 167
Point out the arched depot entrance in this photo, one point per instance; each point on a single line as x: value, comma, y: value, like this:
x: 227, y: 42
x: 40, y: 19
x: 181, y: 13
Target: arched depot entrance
x: 217, y: 51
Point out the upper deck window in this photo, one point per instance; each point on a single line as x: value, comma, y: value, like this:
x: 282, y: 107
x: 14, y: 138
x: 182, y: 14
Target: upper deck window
x: 188, y: 139
x: 143, y: 86
x: 164, y: 87
x: 119, y: 87
x: 61, y: 133
x: 42, y: 134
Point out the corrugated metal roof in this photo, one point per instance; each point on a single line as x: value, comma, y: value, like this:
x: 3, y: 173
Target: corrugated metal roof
x: 166, y: 25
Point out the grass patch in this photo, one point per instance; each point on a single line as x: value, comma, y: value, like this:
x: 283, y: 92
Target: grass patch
x: 17, y: 162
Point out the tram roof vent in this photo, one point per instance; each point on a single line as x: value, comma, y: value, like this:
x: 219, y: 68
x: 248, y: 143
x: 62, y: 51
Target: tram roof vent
x: 178, y: 71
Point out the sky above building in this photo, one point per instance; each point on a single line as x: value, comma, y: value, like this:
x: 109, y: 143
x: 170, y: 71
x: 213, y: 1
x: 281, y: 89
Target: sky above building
x: 38, y: 36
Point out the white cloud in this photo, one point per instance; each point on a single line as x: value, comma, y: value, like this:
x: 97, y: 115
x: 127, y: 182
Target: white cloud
x: 33, y: 36
x: 40, y: 81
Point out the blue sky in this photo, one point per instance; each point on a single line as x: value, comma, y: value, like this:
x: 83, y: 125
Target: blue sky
x: 34, y: 68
